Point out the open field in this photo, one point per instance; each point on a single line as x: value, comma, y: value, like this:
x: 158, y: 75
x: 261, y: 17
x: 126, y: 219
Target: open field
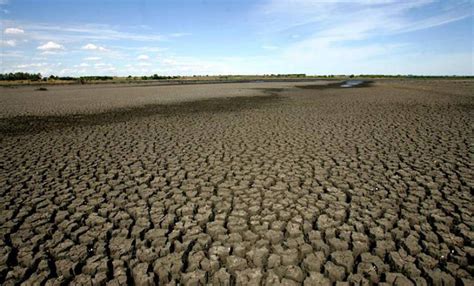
x: 239, y: 183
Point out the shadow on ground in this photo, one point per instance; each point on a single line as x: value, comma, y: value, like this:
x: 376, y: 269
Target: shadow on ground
x: 34, y: 124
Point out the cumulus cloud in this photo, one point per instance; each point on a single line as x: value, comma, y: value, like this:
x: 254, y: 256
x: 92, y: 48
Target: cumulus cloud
x: 14, y: 31
x: 143, y: 57
x: 51, y: 46
x: 92, y: 47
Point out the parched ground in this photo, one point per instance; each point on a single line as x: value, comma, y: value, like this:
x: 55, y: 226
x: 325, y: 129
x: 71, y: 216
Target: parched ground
x: 291, y: 185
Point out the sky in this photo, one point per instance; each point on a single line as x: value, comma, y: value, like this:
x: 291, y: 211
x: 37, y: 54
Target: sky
x: 211, y: 37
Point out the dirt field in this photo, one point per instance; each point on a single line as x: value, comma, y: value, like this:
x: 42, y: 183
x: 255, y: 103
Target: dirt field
x: 253, y: 184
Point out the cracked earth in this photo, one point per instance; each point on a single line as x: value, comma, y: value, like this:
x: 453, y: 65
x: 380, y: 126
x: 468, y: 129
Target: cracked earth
x: 270, y: 185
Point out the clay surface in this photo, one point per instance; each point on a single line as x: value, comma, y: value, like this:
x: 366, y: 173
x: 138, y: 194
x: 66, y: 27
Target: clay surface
x: 238, y: 184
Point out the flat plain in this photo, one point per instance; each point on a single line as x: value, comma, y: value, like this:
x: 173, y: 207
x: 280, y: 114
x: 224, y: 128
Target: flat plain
x: 238, y: 184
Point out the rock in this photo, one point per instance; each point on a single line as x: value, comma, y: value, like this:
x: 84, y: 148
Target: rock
x: 343, y: 258
x: 294, y: 273
x: 314, y: 262
x: 235, y: 263
x: 315, y: 278
x: 383, y: 247
x: 396, y: 261
x: 411, y: 244
x: 338, y: 244
x: 398, y: 279
x: 274, y: 261
x: 120, y: 246
x: 78, y: 253
x: 221, y: 277
x: 272, y: 278
x: 358, y: 279
x: 219, y: 251
x: 334, y: 272
x: 258, y: 256
x: 293, y: 229
x: 65, y: 267
x: 250, y: 276
x: 194, y: 278
x: 274, y: 236
x: 377, y: 233
x: 371, y: 267
x: 439, y: 278
x: 289, y: 257
x: 324, y: 222
x: 427, y: 262
x: 359, y: 247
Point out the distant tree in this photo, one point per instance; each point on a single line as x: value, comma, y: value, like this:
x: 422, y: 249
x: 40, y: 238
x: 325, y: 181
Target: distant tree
x: 21, y: 76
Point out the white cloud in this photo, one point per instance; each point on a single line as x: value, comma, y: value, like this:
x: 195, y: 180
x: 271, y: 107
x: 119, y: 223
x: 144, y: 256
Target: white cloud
x: 143, y: 57
x: 8, y: 43
x: 353, y: 20
x: 33, y: 65
x: 92, y: 47
x: 92, y: 58
x: 14, y: 31
x: 51, y: 46
x: 86, y: 32
x: 337, y: 37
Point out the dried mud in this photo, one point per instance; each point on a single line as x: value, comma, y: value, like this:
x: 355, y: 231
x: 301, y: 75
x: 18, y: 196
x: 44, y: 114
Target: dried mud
x: 296, y: 186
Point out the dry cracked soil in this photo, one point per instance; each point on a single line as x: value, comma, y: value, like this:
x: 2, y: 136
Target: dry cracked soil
x: 258, y: 184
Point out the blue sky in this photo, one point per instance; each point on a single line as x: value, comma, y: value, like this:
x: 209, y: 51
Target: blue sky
x: 237, y: 37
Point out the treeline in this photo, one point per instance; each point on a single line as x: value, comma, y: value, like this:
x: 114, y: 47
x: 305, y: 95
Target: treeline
x: 37, y: 77
x: 52, y: 77
x: 96, y: 77
x: 82, y: 78
x: 20, y: 76
x: 155, y: 76
x: 285, y: 75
